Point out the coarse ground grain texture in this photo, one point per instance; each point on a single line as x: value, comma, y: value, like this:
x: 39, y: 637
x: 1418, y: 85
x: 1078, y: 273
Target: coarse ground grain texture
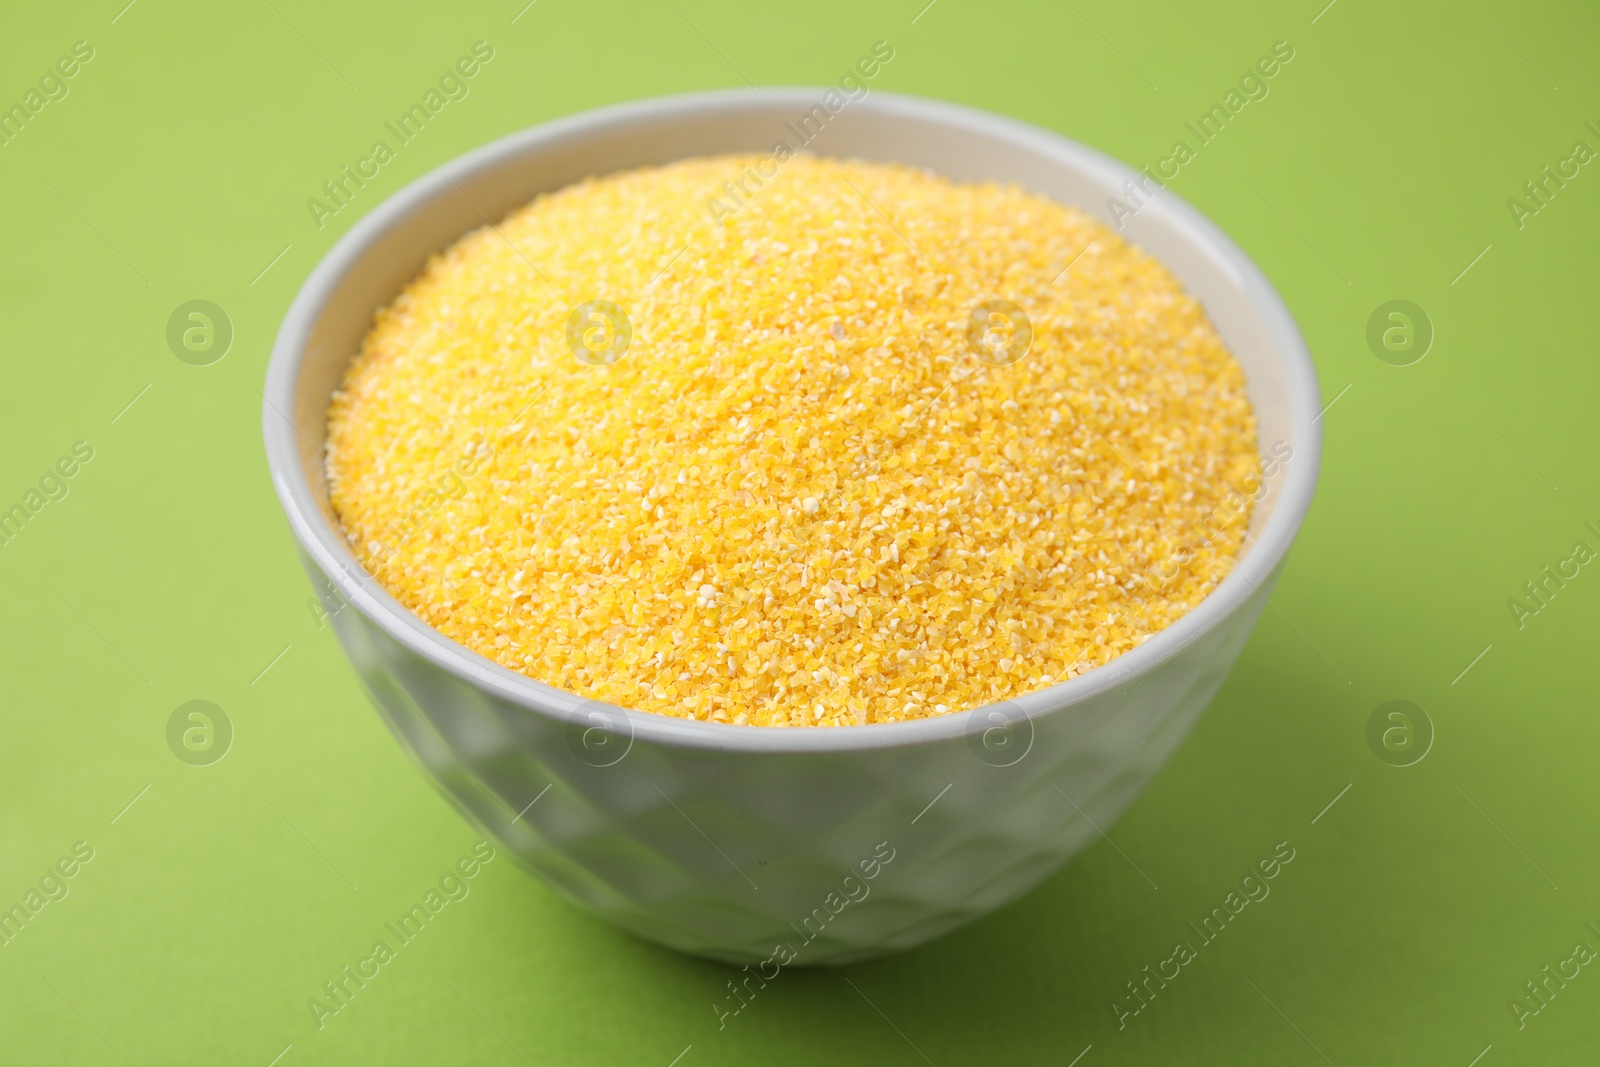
x: 800, y: 498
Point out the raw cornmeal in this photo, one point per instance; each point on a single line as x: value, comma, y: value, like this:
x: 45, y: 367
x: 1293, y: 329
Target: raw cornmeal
x: 799, y: 498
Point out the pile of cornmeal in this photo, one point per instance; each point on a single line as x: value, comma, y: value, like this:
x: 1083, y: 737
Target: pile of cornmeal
x: 791, y: 472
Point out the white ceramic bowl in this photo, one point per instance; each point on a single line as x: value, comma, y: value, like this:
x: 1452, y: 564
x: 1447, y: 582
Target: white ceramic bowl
x: 834, y: 843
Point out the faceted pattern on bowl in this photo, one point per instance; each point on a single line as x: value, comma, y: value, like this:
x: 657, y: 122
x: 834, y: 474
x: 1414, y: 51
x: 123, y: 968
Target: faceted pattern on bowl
x: 727, y: 855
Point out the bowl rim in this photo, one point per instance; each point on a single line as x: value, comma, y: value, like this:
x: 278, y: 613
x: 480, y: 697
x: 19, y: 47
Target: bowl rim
x: 318, y: 539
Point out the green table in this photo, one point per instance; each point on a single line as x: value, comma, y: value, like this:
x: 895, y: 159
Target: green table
x: 208, y: 902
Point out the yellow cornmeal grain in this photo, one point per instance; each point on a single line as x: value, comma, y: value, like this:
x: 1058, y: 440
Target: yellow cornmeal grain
x: 799, y: 498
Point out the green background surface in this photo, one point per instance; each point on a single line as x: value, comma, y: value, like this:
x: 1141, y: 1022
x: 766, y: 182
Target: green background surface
x: 221, y: 897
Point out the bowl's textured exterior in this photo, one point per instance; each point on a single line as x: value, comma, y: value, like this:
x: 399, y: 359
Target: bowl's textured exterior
x: 761, y: 845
